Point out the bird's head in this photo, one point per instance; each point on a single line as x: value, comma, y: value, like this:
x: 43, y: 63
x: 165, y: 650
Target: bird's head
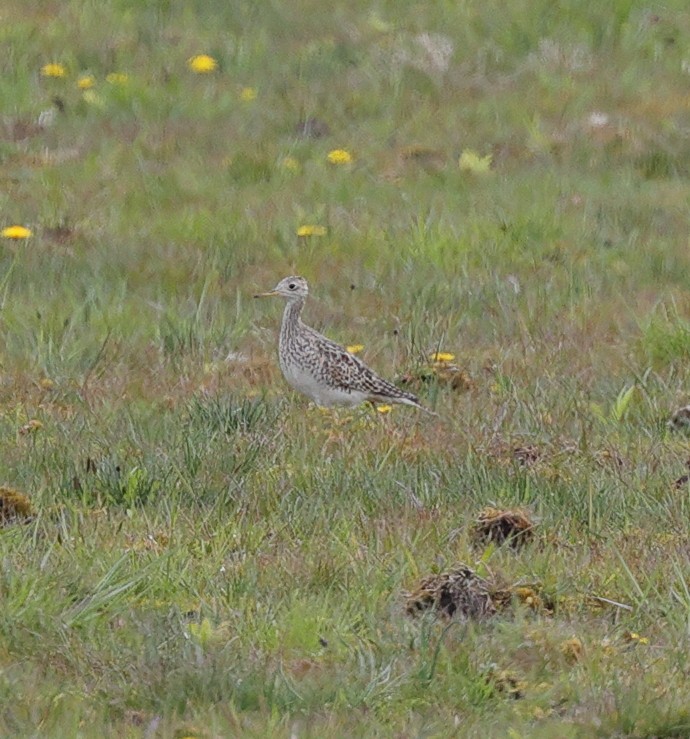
x: 291, y: 288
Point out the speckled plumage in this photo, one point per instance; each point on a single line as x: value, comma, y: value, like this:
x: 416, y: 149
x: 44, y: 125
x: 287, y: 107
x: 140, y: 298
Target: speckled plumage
x: 321, y: 369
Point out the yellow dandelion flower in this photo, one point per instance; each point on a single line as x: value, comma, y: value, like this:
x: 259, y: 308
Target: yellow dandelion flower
x: 117, y: 78
x: 633, y: 636
x: 311, y: 230
x: 247, y: 94
x: 290, y: 164
x: 442, y: 357
x: 470, y: 161
x: 16, y: 232
x: 339, y: 156
x: 384, y: 408
x: 202, y: 64
x: 54, y: 70
x: 86, y: 82
x: 354, y: 348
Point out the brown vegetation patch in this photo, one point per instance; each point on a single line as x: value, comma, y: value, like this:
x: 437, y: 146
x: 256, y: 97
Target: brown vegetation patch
x: 312, y: 128
x: 511, y: 525
x: 682, y: 480
x: 14, y: 506
x: 446, y: 375
x: 530, y: 596
x: 595, y: 603
x: 425, y: 157
x: 526, y: 455
x: 136, y: 718
x: 59, y: 234
x: 301, y: 668
x: 31, y: 427
x: 610, y: 458
x: 572, y: 650
x: 156, y: 543
x: 21, y: 129
x: 680, y: 420
x: 254, y: 370
x: 506, y: 596
x: 460, y: 592
x: 507, y: 683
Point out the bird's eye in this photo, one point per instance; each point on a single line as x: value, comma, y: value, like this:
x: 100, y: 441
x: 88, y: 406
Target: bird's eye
x: 292, y: 286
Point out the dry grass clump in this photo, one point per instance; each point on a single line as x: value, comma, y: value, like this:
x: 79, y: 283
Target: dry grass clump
x: 14, y: 506
x: 441, y: 370
x: 462, y: 593
x: 572, y: 650
x: 442, y: 373
x: 506, y: 596
x: 511, y: 525
x: 526, y: 455
x: 426, y: 157
x: 506, y: 682
x: 459, y: 592
x: 528, y: 595
x: 680, y: 420
x: 610, y: 458
x: 254, y: 371
x: 508, y: 452
x: 312, y: 127
x: 683, y: 479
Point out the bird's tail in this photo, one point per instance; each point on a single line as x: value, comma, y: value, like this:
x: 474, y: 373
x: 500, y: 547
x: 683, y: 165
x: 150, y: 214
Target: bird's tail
x: 414, y: 402
x: 406, y: 399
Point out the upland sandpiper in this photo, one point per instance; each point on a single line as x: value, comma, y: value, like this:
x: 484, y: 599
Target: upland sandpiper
x: 321, y: 369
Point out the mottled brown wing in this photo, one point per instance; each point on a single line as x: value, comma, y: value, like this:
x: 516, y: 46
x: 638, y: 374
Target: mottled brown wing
x: 349, y: 373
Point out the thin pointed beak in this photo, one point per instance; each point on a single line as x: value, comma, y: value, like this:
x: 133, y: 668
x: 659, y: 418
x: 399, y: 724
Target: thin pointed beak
x: 269, y: 294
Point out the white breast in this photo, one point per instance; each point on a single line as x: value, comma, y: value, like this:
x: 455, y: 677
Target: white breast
x: 305, y: 382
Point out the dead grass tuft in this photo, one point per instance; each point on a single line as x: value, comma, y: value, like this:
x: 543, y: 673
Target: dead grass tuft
x: 610, y: 458
x: 425, y: 157
x: 509, y: 451
x: 680, y: 420
x: 527, y: 455
x: 255, y: 371
x: 507, y: 683
x: 572, y: 650
x: 459, y: 592
x: 445, y: 375
x: 683, y: 479
x: 506, y: 596
x: 312, y: 128
x: 511, y: 525
x: 61, y: 233
x: 15, y: 507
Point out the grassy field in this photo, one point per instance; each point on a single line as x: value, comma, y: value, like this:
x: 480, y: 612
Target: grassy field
x: 211, y: 556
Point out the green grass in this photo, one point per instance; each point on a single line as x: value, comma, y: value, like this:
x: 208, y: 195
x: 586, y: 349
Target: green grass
x: 210, y: 555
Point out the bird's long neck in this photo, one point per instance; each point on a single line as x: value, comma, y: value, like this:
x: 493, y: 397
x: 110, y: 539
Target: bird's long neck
x: 291, y: 319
